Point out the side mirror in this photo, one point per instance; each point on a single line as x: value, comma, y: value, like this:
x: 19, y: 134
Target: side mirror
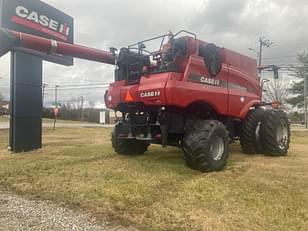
x: 7, y: 41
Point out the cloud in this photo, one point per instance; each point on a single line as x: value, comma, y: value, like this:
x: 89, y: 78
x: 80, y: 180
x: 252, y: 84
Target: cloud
x: 218, y: 16
x: 235, y: 24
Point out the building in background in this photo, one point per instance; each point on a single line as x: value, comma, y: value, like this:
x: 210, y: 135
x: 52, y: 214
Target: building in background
x: 4, y: 108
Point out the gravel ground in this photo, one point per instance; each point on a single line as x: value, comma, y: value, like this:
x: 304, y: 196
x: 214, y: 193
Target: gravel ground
x: 18, y: 213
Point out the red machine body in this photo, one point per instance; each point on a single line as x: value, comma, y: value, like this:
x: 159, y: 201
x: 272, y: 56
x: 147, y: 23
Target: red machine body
x: 187, y: 93
x: 230, y: 93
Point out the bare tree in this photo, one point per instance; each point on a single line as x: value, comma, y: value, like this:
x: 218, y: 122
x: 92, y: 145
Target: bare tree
x: 276, y: 90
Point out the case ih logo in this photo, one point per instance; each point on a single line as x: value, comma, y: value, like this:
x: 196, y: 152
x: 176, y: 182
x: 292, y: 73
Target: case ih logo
x: 205, y: 80
x: 150, y: 94
x: 40, y: 22
x: 209, y: 81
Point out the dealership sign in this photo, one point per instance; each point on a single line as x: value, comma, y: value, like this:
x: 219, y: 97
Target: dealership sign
x: 38, y: 18
x: 41, y: 23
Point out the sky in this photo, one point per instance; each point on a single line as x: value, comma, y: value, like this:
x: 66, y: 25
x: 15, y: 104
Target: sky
x: 234, y: 24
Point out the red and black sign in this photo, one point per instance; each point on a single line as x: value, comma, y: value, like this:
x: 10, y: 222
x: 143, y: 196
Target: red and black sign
x: 38, y: 18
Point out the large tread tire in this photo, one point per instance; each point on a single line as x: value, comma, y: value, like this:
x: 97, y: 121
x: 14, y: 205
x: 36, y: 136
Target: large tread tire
x: 275, y: 133
x: 251, y: 126
x: 199, y: 142
x: 127, y: 147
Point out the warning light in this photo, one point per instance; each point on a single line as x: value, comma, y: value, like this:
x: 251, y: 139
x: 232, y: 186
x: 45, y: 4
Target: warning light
x: 129, y: 97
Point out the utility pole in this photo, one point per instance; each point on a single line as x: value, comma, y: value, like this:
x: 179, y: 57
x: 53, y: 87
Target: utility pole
x: 56, y: 107
x: 43, y: 97
x: 306, y: 100
x: 81, y: 108
x: 263, y: 43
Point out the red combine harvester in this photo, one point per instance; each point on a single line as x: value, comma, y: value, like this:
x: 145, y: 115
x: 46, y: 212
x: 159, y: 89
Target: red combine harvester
x: 186, y: 93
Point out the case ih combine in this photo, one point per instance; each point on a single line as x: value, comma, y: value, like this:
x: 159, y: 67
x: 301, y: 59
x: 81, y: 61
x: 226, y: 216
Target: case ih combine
x: 186, y: 93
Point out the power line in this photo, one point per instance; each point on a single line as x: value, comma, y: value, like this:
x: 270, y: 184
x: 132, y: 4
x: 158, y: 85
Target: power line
x: 297, y: 45
x: 78, y: 88
x: 281, y: 57
x: 84, y: 84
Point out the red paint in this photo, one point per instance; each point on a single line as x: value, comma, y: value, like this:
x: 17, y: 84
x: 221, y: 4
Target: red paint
x: 38, y: 27
x: 240, y: 92
x: 45, y: 45
x: 238, y: 89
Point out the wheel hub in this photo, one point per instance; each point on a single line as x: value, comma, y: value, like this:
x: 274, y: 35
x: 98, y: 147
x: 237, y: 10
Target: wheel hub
x: 217, y: 148
x: 282, y: 134
x: 257, y: 132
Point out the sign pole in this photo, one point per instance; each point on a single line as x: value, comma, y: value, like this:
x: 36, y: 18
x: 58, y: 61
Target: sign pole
x: 26, y: 102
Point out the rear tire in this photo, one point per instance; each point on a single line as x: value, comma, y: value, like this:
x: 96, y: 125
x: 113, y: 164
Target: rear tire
x: 250, y: 133
x: 275, y: 133
x: 206, y: 146
x: 128, y: 147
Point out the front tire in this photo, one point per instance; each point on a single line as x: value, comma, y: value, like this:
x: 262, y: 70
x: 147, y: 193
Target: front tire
x: 128, y: 147
x: 275, y: 133
x: 206, y: 146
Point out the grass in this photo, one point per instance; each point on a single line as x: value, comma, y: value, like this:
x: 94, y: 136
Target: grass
x: 156, y: 191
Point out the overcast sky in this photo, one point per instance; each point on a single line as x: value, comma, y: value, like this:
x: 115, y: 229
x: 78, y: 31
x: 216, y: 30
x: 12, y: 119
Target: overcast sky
x: 235, y: 24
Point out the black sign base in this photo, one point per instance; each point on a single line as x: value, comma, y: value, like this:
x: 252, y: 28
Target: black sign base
x: 26, y: 102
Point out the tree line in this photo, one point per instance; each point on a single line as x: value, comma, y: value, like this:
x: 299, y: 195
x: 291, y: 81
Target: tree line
x: 67, y: 112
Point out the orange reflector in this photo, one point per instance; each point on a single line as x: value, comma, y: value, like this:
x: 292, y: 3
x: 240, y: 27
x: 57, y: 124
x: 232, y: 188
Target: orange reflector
x: 129, y: 97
